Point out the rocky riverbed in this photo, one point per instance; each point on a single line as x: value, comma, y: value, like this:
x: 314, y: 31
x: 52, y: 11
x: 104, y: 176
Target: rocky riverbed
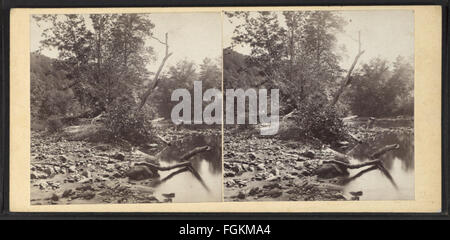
x: 74, y: 172
x: 271, y: 169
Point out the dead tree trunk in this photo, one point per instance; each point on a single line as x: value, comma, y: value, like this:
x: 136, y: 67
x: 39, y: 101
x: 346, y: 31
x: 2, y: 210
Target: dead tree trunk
x: 348, y: 79
x: 144, y: 170
x: 154, y: 84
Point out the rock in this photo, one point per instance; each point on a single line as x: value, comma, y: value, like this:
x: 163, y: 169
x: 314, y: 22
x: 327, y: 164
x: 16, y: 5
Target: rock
x: 254, y: 191
x: 85, y: 180
x: 227, y: 165
x: 330, y: 171
x: 54, y: 197
x: 273, y: 178
x: 67, y: 193
x: 274, y: 193
x: 119, y: 156
x: 357, y: 194
x: 307, y: 164
x: 237, y: 169
x: 43, y: 185
x: 305, y: 172
x: 260, y: 167
x: 87, y: 195
x: 86, y: 173
x: 63, y: 158
x: 308, y: 154
x: 275, y: 172
x: 49, y: 171
x: 168, y: 195
x: 102, y: 147
x: 241, y: 195
x: 117, y: 175
x: 339, y: 196
x: 229, y: 155
x: 141, y: 173
x: 252, y: 156
x: 245, y: 167
x: 37, y: 175
x: 72, y: 169
x: 229, y: 174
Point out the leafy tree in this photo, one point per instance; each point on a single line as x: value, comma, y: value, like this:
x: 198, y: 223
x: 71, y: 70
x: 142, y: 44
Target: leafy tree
x: 298, y: 58
x: 391, y: 88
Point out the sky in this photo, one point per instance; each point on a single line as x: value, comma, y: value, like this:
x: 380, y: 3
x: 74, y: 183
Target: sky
x: 384, y: 33
x: 191, y: 36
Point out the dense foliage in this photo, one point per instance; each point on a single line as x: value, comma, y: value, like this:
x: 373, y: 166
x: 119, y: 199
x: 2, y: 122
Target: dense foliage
x: 390, y: 87
x: 297, y: 53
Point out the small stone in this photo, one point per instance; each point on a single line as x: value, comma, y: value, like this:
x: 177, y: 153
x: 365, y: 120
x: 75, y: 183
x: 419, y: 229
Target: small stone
x: 86, y: 173
x: 87, y: 195
x: 168, y: 195
x: 275, y: 171
x: 254, y: 191
x: 357, y: 194
x: 260, y: 167
x: 49, y: 171
x: 229, y: 174
x: 63, y: 158
x: 237, y: 169
x: 241, y: 195
x: 67, y: 193
x: 72, y: 169
x: 34, y: 175
x: 274, y: 193
x: 308, y: 154
x: 119, y: 156
x: 43, y: 185
x: 54, y: 197
x: 252, y: 156
x: 85, y: 180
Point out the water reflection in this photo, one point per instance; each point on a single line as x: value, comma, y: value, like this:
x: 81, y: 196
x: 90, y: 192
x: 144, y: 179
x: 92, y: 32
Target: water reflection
x: 396, y: 181
x: 187, y: 186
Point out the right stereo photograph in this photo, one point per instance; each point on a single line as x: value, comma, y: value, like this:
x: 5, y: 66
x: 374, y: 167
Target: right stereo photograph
x: 318, y: 105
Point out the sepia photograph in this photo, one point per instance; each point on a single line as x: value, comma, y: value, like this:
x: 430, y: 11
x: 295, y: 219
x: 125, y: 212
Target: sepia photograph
x: 328, y: 111
x: 178, y: 111
x: 105, y: 126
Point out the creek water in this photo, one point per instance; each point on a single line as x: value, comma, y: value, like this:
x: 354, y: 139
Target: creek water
x: 186, y: 186
x: 398, y: 183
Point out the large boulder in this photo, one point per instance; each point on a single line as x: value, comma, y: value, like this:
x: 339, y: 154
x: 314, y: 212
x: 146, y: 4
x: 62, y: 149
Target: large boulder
x: 141, y: 173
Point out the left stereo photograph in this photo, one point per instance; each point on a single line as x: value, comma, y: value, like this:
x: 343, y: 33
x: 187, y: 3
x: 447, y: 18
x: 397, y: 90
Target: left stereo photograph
x: 117, y: 110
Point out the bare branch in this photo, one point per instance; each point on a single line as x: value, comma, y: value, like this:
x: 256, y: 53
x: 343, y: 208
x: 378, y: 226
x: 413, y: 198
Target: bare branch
x: 348, y: 78
x: 154, y: 83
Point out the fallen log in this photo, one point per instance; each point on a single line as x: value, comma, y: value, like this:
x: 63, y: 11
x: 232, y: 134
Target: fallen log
x: 147, y: 169
x: 384, y: 150
x: 352, y: 166
x: 341, y: 163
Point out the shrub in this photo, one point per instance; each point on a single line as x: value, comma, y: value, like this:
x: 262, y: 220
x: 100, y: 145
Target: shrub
x: 55, y: 103
x: 54, y: 125
x: 320, y: 121
x: 124, y: 122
